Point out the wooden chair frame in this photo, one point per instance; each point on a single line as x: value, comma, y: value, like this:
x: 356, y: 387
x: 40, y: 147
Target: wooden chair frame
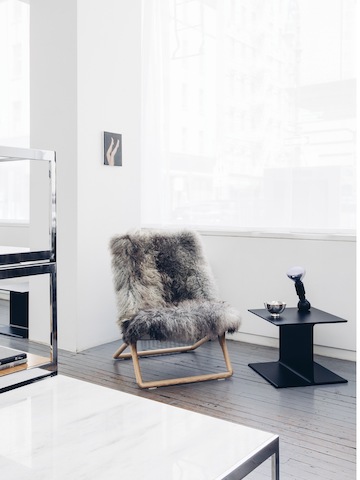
x: 173, y: 381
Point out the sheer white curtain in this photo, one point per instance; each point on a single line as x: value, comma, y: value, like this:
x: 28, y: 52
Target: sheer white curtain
x: 14, y: 108
x: 249, y: 114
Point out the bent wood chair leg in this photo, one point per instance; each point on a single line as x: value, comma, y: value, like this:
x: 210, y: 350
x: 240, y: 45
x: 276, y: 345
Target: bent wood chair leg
x: 159, y: 351
x: 224, y: 349
x: 180, y: 380
x: 119, y: 351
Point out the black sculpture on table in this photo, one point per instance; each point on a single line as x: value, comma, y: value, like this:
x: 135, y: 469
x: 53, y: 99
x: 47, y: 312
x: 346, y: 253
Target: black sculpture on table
x: 296, y: 274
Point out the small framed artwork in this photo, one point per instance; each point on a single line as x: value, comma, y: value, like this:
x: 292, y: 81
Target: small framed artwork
x: 112, y: 149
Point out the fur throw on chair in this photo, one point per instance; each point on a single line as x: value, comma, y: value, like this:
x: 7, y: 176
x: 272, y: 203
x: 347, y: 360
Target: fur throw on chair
x: 165, y: 289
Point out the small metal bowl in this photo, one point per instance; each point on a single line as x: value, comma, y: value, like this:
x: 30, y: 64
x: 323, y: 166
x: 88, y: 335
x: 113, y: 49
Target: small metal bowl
x: 275, y: 308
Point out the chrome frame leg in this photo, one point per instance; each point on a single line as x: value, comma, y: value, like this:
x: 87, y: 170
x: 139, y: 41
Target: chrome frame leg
x: 275, y: 466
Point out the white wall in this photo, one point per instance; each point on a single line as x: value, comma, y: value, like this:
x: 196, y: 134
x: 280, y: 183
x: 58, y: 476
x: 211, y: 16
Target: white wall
x: 252, y: 270
x: 14, y: 235
x: 53, y: 126
x: 108, y: 197
x: 84, y: 81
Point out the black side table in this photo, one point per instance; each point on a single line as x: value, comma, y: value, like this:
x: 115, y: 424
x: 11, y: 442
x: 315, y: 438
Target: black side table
x: 296, y: 366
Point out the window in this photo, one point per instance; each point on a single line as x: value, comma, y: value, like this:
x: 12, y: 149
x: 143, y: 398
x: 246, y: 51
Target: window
x: 14, y: 108
x: 249, y: 115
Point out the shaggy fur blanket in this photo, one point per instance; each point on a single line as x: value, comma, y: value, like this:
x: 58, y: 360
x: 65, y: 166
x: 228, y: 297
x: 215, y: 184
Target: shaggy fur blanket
x: 165, y: 288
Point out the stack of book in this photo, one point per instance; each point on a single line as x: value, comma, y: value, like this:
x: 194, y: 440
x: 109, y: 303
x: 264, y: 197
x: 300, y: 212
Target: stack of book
x: 11, y: 358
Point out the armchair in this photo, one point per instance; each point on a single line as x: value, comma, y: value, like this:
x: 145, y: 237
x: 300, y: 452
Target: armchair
x: 165, y: 291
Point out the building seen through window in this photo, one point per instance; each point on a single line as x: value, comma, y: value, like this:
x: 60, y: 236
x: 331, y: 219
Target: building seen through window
x: 249, y: 115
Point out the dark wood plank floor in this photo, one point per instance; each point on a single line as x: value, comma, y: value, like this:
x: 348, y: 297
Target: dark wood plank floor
x: 316, y: 425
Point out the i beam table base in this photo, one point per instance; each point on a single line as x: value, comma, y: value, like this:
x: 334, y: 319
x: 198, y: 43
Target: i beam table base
x: 280, y: 376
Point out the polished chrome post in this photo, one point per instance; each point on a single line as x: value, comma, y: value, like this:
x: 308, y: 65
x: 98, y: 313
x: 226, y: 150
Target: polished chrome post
x: 53, y: 316
x: 275, y: 464
x: 52, y: 199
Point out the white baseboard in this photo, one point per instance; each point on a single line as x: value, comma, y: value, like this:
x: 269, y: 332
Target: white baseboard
x: 274, y: 342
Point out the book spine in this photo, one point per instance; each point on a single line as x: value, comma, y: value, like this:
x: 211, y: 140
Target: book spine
x: 5, y: 361
x: 12, y: 364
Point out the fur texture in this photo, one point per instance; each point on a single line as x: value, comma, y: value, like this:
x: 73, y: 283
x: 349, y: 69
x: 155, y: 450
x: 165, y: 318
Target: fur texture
x: 165, y: 289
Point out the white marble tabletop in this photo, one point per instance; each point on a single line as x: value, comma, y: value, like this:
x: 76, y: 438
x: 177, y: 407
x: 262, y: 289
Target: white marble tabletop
x: 62, y: 428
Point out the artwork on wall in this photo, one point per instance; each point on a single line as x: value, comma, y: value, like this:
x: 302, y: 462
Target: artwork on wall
x: 112, y: 149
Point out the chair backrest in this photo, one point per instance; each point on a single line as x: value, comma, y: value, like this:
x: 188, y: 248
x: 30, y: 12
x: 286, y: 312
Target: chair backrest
x: 158, y: 269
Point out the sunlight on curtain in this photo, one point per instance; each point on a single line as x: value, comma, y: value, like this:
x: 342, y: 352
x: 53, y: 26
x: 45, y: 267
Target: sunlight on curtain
x: 14, y: 108
x: 249, y: 114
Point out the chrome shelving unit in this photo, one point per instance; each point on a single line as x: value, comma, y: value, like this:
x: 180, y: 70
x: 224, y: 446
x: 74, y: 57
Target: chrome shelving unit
x: 16, y: 262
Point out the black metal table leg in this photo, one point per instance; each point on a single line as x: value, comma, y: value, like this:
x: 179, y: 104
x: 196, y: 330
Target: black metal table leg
x: 296, y: 349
